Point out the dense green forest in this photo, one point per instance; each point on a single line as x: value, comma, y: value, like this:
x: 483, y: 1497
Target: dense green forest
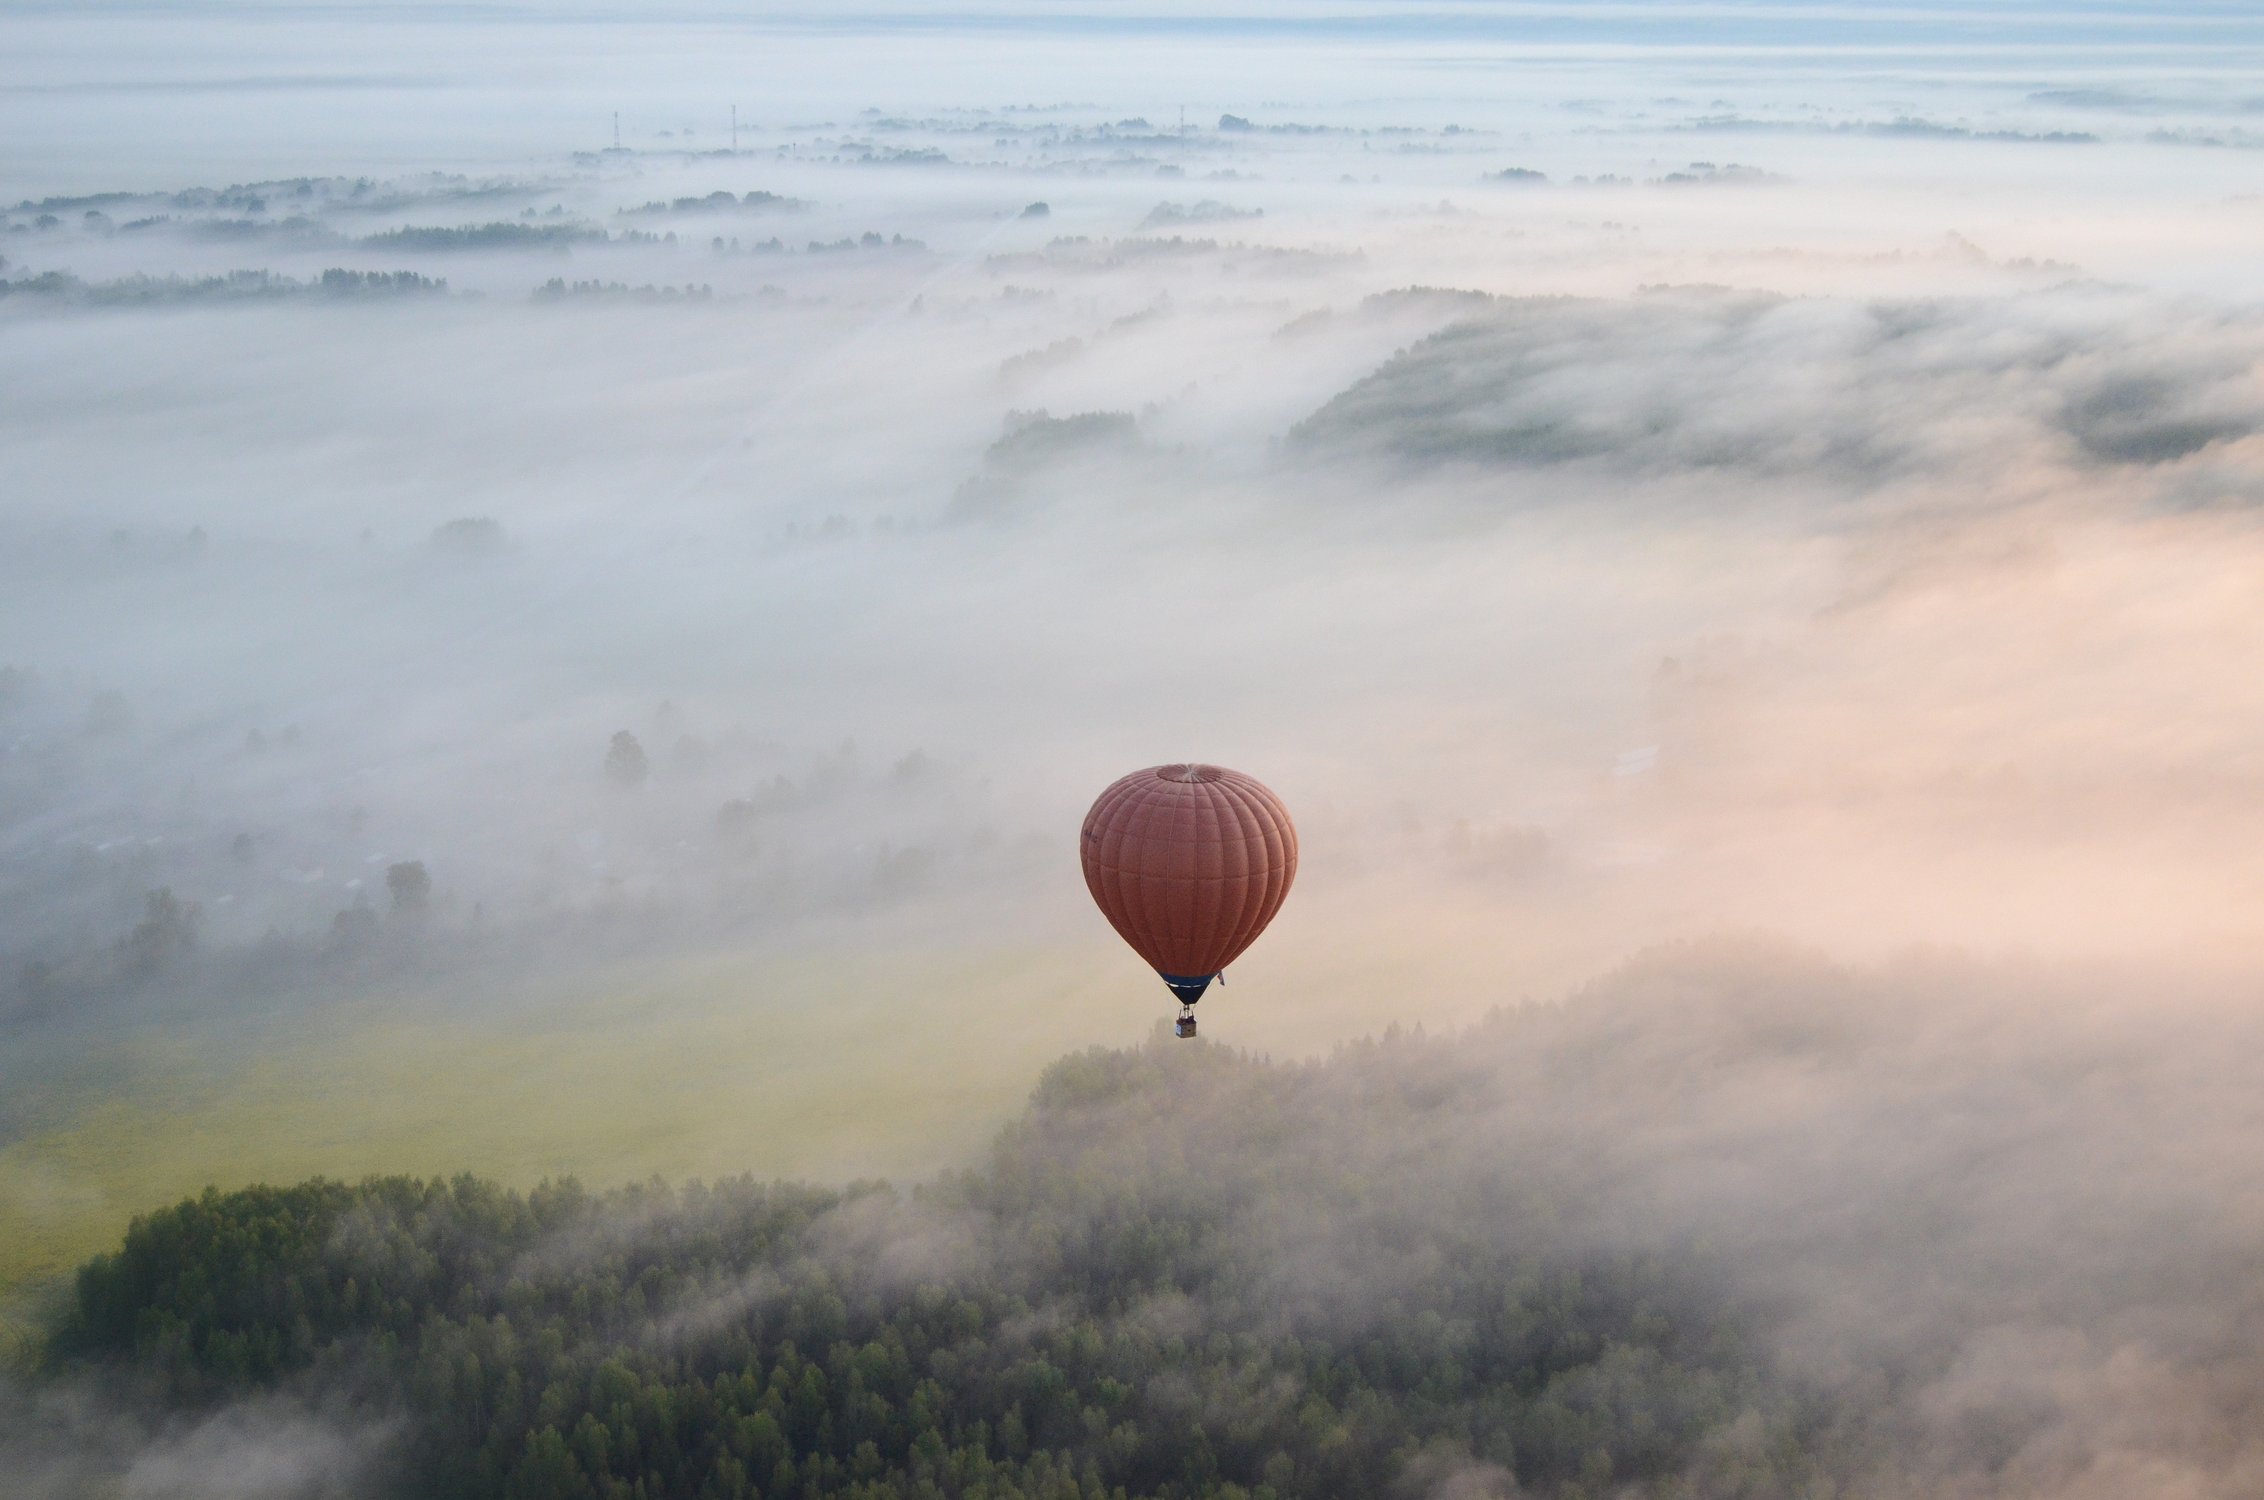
x: 1180, y: 1274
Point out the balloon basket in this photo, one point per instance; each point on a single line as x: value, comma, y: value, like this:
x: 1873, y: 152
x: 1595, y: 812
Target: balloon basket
x: 1185, y: 1026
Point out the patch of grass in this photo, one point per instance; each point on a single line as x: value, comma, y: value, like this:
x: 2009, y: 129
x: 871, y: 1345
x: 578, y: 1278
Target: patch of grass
x: 826, y: 1066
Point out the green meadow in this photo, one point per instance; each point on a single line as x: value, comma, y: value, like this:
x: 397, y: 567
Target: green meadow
x: 820, y: 1066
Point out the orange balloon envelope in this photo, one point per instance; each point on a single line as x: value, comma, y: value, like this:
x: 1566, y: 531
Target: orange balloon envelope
x: 1189, y: 863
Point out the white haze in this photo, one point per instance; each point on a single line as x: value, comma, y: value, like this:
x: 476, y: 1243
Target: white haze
x: 1841, y: 523
x: 1839, y: 609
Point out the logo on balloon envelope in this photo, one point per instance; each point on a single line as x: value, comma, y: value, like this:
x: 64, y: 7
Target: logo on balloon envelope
x: 1188, y: 862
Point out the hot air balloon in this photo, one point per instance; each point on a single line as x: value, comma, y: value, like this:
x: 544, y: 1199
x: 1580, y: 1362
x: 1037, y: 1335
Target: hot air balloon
x: 1189, y: 863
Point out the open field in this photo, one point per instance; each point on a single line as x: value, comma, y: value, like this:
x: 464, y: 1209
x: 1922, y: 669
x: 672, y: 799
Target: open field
x: 890, y: 1065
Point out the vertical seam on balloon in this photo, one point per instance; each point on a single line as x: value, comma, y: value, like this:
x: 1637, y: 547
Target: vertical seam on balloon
x: 1187, y: 886
x: 1202, y: 935
x: 1238, y: 935
x: 1211, y: 871
x: 1171, y: 798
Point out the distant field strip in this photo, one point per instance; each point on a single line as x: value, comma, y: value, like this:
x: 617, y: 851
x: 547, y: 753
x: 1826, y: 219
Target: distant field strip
x: 889, y: 1064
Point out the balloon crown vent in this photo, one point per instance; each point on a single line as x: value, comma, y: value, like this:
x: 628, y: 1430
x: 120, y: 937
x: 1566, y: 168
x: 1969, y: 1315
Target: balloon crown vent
x: 1189, y: 772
